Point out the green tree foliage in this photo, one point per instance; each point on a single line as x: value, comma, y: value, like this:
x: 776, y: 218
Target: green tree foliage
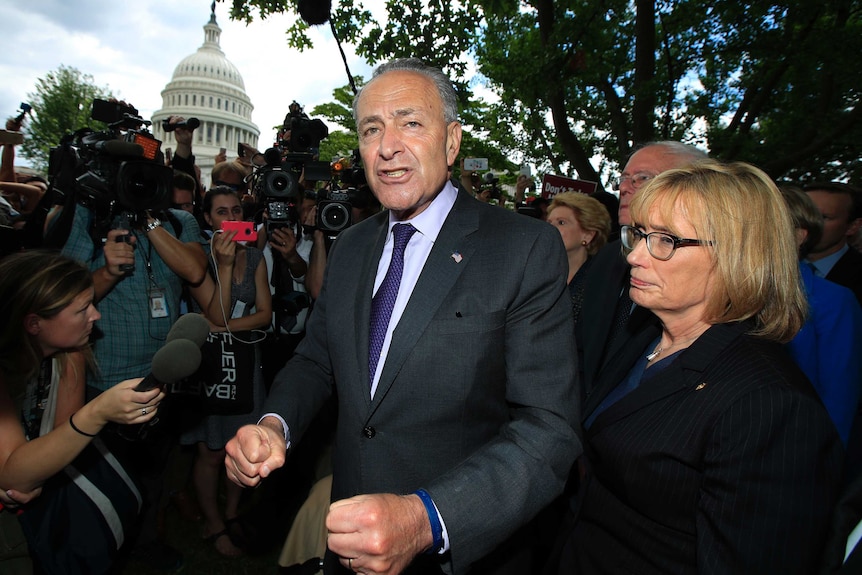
x: 580, y: 83
x: 338, y: 115
x: 61, y: 105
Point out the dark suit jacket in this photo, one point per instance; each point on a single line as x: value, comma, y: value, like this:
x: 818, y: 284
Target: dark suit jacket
x: 477, y: 401
x: 847, y: 515
x: 847, y: 271
x: 725, y: 462
x: 608, y: 276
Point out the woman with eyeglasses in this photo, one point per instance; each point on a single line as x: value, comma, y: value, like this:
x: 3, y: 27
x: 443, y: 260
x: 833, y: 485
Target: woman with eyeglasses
x: 707, y: 449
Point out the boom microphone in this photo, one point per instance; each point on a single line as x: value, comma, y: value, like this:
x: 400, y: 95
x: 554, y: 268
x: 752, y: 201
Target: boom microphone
x: 176, y: 360
x: 314, y: 12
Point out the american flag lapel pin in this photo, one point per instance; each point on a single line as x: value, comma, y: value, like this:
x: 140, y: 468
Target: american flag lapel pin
x: 457, y: 257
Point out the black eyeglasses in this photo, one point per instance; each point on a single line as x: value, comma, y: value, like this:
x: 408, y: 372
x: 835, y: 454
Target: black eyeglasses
x: 637, y: 180
x: 660, y: 245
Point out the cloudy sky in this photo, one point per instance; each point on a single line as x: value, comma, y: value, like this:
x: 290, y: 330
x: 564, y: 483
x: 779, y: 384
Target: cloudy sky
x: 133, y: 47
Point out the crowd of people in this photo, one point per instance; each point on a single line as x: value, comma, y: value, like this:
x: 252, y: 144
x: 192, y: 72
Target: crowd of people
x: 669, y: 382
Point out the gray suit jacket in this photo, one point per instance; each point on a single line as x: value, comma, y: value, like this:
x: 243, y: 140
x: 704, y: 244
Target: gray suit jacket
x: 477, y: 401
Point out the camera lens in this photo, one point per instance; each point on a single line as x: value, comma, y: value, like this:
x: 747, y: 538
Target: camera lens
x: 280, y: 184
x: 144, y: 186
x: 334, y: 216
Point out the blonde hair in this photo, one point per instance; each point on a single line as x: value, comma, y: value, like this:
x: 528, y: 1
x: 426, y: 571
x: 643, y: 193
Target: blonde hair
x: 591, y: 215
x: 740, y: 209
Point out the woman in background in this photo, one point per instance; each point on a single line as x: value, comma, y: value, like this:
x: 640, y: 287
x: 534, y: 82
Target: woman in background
x: 828, y: 348
x: 235, y: 297
x: 584, y: 224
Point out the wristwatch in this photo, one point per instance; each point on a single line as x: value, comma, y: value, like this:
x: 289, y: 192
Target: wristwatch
x: 156, y: 223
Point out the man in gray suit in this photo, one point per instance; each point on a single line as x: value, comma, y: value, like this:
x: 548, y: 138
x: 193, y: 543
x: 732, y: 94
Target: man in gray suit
x: 465, y: 427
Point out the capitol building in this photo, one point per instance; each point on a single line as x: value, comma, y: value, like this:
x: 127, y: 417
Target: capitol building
x: 207, y: 86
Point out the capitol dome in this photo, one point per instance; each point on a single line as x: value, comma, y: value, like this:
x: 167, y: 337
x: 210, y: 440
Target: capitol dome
x: 207, y: 86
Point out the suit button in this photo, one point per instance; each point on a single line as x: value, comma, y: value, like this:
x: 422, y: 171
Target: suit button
x: 369, y: 432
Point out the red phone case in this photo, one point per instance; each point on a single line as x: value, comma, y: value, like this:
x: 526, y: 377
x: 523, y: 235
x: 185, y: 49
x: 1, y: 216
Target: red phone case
x: 245, y: 231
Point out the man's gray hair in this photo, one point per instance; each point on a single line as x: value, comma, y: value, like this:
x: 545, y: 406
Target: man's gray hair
x: 671, y: 147
x: 441, y: 80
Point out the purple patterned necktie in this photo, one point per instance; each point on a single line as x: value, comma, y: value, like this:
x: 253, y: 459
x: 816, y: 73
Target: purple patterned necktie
x: 384, y: 300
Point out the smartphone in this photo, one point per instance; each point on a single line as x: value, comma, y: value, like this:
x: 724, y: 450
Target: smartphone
x: 245, y: 231
x: 475, y: 164
x: 526, y: 170
x: 222, y: 151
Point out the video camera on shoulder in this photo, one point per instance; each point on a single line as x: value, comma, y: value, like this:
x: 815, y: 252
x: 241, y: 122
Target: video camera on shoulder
x: 113, y: 171
x: 276, y: 185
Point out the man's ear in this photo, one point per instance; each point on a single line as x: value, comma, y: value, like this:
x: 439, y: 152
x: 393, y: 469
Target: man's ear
x: 801, y: 236
x: 453, y: 142
x: 32, y: 324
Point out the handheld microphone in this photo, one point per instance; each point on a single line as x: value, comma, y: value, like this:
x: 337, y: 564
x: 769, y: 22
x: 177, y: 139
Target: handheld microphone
x: 176, y: 360
x: 192, y: 326
x: 190, y: 124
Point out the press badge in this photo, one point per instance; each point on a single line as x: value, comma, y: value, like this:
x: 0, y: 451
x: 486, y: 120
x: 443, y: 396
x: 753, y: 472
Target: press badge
x: 158, y: 303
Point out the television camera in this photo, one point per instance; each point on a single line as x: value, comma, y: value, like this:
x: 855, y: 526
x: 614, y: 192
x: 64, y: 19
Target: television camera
x: 335, y: 206
x: 491, y: 183
x: 117, y: 171
x: 276, y: 185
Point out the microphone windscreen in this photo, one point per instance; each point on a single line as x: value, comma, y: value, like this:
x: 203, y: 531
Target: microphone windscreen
x: 177, y: 359
x: 120, y: 148
x: 193, y: 123
x: 191, y: 326
x: 314, y: 12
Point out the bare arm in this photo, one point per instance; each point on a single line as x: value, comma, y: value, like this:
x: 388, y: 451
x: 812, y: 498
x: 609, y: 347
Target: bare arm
x: 25, y: 465
x: 262, y: 302
x: 23, y: 197
x: 7, y: 160
x: 283, y: 243
x: 316, y: 265
x: 186, y: 259
x: 116, y: 254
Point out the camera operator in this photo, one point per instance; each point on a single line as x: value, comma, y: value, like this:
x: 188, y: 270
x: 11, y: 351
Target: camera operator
x: 20, y: 191
x: 139, y: 266
x: 183, y: 159
x: 523, y: 184
x: 490, y: 192
x: 363, y: 205
x: 286, y: 250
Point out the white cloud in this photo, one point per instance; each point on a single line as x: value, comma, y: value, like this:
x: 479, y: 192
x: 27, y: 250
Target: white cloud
x: 133, y: 48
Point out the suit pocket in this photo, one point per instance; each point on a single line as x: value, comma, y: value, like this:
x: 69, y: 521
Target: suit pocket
x: 479, y: 323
